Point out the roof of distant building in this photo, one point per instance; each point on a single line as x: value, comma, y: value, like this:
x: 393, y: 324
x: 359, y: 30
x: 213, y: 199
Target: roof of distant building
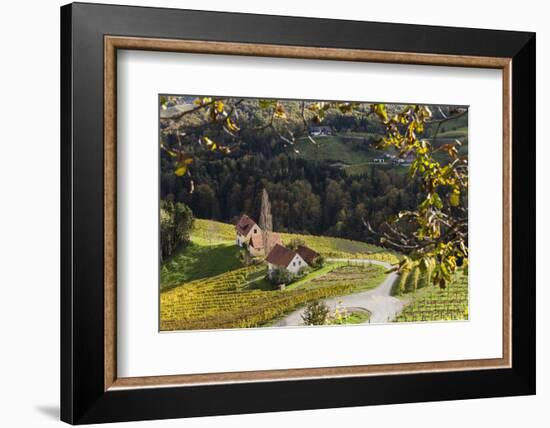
x: 257, y: 241
x: 307, y: 254
x: 280, y: 256
x: 245, y: 224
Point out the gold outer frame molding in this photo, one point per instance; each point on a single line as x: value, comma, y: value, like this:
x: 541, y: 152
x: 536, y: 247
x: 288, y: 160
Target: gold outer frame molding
x: 113, y: 43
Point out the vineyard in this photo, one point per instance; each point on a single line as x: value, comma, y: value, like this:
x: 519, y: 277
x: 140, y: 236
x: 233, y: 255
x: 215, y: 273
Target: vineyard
x: 226, y: 301
x: 204, y: 284
x: 430, y: 303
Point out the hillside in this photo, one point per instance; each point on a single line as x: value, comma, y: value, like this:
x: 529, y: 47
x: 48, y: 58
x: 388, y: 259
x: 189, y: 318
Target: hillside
x: 212, y: 251
x: 345, y: 149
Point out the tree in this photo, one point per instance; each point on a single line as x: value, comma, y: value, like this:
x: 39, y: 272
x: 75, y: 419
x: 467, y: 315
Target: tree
x: 318, y: 262
x: 206, y: 201
x: 176, y: 223
x: 280, y: 276
x: 316, y: 313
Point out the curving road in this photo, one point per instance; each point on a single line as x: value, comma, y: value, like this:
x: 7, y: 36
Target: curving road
x: 383, y: 307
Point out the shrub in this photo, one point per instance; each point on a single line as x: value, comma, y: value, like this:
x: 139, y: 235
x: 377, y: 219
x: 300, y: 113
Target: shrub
x: 318, y: 262
x: 303, y: 271
x: 316, y: 313
x: 295, y: 243
x: 280, y: 276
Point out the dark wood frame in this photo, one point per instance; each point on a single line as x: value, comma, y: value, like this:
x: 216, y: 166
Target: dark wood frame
x: 90, y: 36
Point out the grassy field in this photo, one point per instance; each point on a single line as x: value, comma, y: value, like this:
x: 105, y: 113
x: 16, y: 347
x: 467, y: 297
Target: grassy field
x: 225, y: 301
x: 361, y: 277
x: 337, y: 149
x: 430, y: 303
x: 353, y: 318
x: 191, y: 262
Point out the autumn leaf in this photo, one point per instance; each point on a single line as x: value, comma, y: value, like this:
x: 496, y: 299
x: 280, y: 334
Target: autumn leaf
x: 231, y: 125
x: 280, y: 112
x: 181, y: 170
x: 454, y: 199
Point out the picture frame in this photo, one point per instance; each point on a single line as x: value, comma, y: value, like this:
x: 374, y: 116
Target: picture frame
x: 91, y: 390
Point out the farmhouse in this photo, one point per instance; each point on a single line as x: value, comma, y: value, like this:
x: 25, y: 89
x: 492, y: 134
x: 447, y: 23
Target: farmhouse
x: 284, y: 258
x: 406, y: 160
x: 256, y: 243
x: 316, y: 131
x: 246, y: 228
x: 307, y: 254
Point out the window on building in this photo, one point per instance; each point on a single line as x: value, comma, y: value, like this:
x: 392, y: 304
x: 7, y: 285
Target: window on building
x: 293, y: 263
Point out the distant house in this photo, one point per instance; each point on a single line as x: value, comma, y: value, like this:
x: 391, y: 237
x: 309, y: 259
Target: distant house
x: 379, y: 160
x: 405, y: 160
x: 307, y: 254
x: 409, y: 158
x: 284, y: 258
x: 246, y: 228
x: 256, y: 243
x: 317, y: 131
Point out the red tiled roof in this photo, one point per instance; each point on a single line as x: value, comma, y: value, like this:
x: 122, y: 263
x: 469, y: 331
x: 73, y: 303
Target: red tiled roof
x: 307, y: 254
x: 244, y: 225
x: 257, y: 241
x: 280, y: 256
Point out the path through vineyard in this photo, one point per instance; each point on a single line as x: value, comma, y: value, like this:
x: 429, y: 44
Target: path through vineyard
x: 382, y: 306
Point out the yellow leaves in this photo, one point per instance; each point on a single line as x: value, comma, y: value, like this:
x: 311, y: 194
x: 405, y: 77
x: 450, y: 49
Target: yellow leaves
x: 449, y: 148
x: 202, y: 101
x: 279, y: 112
x: 209, y: 143
x: 216, y: 110
x: 380, y: 111
x: 231, y: 125
x: 182, y: 165
x: 213, y: 146
x: 454, y: 199
x: 171, y: 152
x: 316, y: 106
x: 181, y: 170
x: 183, y: 159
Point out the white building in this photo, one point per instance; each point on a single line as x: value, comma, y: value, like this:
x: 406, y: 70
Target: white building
x: 284, y: 258
x: 246, y: 228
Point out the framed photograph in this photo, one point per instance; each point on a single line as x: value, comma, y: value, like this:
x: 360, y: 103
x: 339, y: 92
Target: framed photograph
x: 266, y: 213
